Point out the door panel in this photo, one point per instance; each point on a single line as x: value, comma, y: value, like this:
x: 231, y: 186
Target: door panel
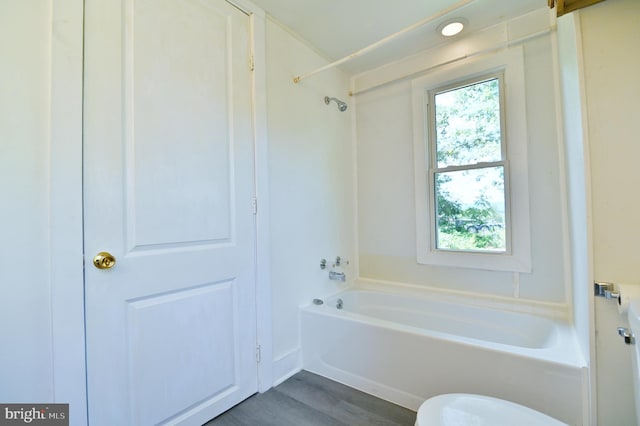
x: 163, y: 351
x: 180, y: 82
x: 168, y: 184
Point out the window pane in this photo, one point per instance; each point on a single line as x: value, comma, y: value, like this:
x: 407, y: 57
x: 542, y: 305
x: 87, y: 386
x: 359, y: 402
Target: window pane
x: 468, y: 124
x: 470, y: 210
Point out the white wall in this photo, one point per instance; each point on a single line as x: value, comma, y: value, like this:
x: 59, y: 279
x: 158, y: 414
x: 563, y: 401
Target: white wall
x: 310, y: 188
x: 386, y: 218
x: 26, y: 360
x: 610, y: 40
x: 611, y: 33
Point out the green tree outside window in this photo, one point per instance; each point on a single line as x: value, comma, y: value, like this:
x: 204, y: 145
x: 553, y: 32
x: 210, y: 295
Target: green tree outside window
x: 469, y: 169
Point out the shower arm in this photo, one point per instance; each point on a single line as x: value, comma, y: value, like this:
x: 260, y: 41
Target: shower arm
x: 342, y: 106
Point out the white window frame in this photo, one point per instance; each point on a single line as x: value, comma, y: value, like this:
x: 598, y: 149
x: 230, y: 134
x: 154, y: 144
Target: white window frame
x: 517, y: 257
x: 434, y: 169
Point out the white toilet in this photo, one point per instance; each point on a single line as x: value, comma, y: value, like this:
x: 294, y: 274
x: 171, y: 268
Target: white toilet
x: 458, y: 409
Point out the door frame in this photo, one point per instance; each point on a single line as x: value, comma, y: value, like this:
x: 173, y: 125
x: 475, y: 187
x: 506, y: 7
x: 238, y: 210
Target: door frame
x: 66, y: 212
x: 65, y: 208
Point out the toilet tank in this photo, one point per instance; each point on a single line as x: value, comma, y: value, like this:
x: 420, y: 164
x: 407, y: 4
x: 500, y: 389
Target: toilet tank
x: 634, y: 323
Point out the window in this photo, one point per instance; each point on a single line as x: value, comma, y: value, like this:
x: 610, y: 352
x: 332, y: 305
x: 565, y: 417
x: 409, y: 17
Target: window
x: 472, y: 205
x: 467, y: 170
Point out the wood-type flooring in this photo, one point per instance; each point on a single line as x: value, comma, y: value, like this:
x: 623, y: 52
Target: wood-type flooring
x: 307, y: 399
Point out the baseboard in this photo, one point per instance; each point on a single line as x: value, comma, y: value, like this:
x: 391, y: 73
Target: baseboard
x: 286, y: 366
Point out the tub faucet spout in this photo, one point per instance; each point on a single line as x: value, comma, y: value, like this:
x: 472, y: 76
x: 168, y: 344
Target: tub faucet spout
x: 337, y: 276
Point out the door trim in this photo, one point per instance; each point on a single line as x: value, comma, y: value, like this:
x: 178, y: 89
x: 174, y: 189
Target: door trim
x: 264, y: 327
x: 65, y: 208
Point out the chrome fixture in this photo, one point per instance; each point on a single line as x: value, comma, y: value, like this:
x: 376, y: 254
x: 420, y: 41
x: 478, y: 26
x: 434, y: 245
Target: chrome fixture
x: 606, y: 290
x: 342, y: 106
x: 337, y: 276
x: 336, y: 264
x: 340, y: 262
x: 339, y: 304
x: 629, y: 338
x: 318, y: 301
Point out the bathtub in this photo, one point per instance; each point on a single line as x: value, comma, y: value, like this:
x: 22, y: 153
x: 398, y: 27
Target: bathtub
x: 406, y: 348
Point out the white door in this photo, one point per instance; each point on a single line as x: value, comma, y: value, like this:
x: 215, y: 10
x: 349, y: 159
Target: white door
x: 169, y: 181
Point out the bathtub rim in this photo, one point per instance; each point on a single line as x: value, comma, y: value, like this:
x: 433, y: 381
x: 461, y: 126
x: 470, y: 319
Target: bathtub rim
x: 565, y: 351
x: 551, y: 310
x: 550, y: 326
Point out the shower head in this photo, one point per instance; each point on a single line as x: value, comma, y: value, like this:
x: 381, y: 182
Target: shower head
x: 342, y: 106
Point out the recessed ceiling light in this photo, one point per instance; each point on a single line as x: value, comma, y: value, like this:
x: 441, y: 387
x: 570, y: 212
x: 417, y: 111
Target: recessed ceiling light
x: 452, y: 27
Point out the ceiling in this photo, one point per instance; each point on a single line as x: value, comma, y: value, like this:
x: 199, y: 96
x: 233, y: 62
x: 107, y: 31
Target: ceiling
x: 338, y: 28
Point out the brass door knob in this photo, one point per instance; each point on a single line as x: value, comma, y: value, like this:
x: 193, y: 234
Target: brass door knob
x: 104, y: 260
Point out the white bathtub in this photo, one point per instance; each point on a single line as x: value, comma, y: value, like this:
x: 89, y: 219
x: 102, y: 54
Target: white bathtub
x: 407, y: 348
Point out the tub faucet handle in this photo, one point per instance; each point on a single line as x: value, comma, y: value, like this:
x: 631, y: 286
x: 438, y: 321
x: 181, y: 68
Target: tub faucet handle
x: 340, y: 262
x: 323, y: 263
